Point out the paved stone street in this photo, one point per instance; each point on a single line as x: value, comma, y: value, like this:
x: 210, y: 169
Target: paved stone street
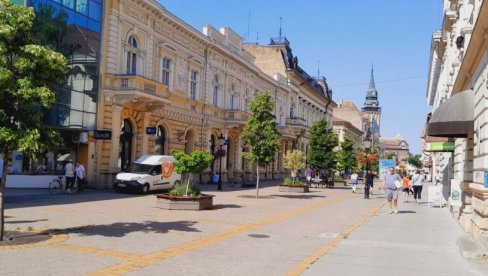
x: 324, y: 232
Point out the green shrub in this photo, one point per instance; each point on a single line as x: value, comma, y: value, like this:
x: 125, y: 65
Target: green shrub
x: 338, y: 179
x: 296, y: 183
x: 180, y: 190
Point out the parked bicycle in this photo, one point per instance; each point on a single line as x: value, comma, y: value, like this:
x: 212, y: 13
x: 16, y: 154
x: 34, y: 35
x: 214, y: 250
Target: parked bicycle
x: 59, y: 184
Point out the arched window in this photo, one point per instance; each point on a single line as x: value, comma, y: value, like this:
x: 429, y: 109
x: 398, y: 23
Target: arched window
x: 131, y: 68
x: 232, y: 99
x: 190, y: 141
x: 292, y: 110
x: 125, y: 145
x: 215, y: 99
x: 247, y: 100
x: 160, y: 141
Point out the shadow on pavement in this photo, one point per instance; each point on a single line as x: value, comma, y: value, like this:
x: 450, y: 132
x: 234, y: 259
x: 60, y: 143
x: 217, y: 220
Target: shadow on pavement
x: 225, y: 206
x: 304, y: 196
x: 121, y: 229
x: 407, y: 212
x: 20, y: 198
x: 24, y: 221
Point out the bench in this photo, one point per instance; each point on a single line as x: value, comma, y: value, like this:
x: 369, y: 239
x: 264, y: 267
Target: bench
x: 318, y: 182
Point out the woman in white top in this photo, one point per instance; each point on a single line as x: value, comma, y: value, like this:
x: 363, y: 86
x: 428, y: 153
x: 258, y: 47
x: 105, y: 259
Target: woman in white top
x: 418, y: 182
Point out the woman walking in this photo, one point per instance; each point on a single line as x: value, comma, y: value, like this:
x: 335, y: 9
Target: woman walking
x: 418, y: 182
x: 406, y: 187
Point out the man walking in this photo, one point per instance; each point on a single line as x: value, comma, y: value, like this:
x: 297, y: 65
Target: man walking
x: 392, y: 190
x: 80, y: 175
x: 69, y: 173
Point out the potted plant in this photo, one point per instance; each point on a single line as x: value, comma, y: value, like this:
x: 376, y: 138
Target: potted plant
x: 184, y: 196
x: 295, y: 186
x: 294, y: 161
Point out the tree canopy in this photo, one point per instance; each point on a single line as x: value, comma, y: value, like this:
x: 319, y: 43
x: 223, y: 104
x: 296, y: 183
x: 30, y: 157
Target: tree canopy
x: 322, y: 143
x: 260, y: 133
x: 28, y: 74
x: 346, y: 156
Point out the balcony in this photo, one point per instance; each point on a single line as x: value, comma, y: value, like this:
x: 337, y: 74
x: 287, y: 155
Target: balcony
x: 296, y: 122
x: 236, y: 117
x: 139, y: 87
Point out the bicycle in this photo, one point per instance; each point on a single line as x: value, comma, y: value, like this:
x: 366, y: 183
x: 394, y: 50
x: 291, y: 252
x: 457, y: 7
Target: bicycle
x: 238, y: 179
x: 58, y: 184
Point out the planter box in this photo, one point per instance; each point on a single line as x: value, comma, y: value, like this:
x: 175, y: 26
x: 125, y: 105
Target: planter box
x: 294, y: 189
x: 200, y: 202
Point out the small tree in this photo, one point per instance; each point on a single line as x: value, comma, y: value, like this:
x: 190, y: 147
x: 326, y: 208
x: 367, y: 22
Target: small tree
x: 294, y: 161
x: 322, y: 143
x: 415, y: 161
x: 368, y: 159
x: 261, y: 134
x: 346, y: 156
x: 194, y: 163
x: 28, y: 75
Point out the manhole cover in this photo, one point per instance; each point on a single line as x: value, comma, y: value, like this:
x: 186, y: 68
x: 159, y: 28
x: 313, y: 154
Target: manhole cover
x: 258, y: 236
x: 17, y: 237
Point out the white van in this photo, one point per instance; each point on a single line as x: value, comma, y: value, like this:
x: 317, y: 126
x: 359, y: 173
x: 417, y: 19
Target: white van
x: 149, y: 172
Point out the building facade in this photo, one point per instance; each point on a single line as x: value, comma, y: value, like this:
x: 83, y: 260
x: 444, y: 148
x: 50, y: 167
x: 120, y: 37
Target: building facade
x: 73, y: 28
x: 348, y: 121
x: 395, y: 146
x: 166, y: 86
x: 457, y: 91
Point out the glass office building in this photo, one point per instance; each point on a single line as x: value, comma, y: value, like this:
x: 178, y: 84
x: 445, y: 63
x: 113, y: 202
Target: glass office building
x: 73, y: 28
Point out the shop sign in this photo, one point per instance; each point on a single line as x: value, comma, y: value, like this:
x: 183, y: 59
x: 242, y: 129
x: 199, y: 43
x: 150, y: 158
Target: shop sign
x: 103, y: 135
x: 440, y: 146
x: 150, y: 130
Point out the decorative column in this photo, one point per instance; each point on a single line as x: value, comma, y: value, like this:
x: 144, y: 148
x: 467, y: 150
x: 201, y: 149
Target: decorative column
x: 145, y: 136
x: 114, y: 151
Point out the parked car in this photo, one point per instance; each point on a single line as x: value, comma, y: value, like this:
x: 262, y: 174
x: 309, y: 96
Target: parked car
x: 148, y: 173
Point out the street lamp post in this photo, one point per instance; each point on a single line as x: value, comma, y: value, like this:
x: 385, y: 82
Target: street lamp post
x: 222, y: 143
x: 367, y: 145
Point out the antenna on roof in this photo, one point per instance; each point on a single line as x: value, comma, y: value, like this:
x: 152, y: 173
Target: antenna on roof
x: 281, y: 19
x: 257, y: 38
x: 318, y: 69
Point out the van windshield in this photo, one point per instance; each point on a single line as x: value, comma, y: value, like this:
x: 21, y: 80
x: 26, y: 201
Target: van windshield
x: 139, y: 168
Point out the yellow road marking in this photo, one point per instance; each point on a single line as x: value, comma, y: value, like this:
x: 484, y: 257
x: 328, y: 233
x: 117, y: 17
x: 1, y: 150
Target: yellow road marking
x: 55, y: 238
x: 94, y: 250
x: 301, y: 267
x: 150, y: 259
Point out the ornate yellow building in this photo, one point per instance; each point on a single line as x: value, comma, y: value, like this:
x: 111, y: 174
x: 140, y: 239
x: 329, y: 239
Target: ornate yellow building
x: 165, y: 86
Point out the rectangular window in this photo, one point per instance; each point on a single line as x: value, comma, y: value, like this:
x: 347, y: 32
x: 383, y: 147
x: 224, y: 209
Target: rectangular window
x: 216, y: 96
x: 69, y: 3
x: 166, y: 71
x: 193, y: 85
x: 131, y: 63
x: 82, y: 6
x: 94, y: 10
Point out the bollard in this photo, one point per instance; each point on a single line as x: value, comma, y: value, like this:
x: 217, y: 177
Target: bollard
x: 366, y: 192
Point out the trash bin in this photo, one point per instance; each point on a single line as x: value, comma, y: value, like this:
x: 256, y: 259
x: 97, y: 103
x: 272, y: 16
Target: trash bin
x: 215, y: 178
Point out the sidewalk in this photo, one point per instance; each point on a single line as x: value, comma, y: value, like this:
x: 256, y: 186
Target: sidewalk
x: 419, y: 240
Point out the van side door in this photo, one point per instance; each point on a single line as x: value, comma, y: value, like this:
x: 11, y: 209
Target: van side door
x: 156, y: 179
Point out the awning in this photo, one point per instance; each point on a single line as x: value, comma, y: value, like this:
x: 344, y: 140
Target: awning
x: 454, y: 117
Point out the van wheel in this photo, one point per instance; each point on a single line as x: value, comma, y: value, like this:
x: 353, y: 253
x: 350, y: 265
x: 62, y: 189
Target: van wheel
x: 145, y: 189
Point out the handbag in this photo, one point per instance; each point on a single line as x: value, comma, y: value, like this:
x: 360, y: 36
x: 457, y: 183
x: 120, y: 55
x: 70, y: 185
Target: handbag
x: 398, y: 184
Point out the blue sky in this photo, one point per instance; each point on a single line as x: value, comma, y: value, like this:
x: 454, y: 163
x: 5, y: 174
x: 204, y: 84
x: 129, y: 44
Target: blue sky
x: 343, y: 39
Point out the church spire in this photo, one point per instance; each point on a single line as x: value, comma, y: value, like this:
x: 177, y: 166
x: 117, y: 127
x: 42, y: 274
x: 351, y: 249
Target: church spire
x: 371, y: 93
x: 371, y: 81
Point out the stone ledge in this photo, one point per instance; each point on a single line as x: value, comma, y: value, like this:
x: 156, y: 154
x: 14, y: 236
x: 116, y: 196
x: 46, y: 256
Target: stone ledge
x: 200, y: 202
x: 294, y: 189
